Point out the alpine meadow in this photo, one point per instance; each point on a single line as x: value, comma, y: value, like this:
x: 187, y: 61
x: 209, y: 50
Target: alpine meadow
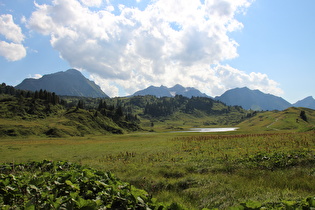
x: 157, y: 105
x: 66, y: 152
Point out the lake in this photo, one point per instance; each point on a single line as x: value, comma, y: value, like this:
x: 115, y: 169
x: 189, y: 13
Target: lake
x: 204, y: 130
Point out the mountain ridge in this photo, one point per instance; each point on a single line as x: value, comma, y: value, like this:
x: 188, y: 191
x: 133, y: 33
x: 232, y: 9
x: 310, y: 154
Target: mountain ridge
x: 68, y: 83
x: 253, y: 99
x: 73, y: 83
x: 308, y: 102
x: 164, y: 91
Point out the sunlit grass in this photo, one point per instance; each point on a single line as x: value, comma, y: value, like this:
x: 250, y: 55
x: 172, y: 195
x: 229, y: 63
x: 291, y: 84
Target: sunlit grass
x: 196, y: 170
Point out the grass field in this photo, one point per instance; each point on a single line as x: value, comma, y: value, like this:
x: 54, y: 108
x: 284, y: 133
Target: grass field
x: 196, y: 170
x: 270, y: 159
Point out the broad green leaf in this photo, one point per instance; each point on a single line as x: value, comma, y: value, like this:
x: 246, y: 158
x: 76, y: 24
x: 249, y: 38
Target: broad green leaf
x: 74, y: 195
x: 100, y: 183
x: 253, y: 204
x: 30, y: 207
x: 85, y: 204
x: 140, y: 200
x: 73, y: 186
x: 311, y: 201
x: 9, y: 188
x: 34, y: 187
x: 88, y: 173
x: 289, y: 203
x: 240, y: 207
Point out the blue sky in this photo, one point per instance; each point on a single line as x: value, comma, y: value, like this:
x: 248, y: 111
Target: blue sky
x: 124, y: 46
x: 278, y: 40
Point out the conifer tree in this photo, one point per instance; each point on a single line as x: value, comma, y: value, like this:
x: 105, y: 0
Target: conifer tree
x: 36, y: 95
x: 303, y: 116
x: 80, y: 105
x: 119, y: 112
x: 42, y: 94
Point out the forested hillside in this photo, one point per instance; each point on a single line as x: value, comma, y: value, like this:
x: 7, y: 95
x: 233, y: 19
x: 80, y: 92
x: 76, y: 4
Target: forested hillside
x: 170, y: 108
x: 179, y: 110
x: 44, y: 113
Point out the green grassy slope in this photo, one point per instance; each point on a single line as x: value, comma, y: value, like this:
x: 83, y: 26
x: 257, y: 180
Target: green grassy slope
x: 180, y: 112
x: 288, y: 119
x: 66, y: 124
x: 20, y: 116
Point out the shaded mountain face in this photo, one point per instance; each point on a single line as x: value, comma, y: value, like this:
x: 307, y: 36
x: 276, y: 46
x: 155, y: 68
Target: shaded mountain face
x: 308, y: 102
x: 163, y: 91
x: 253, y: 99
x: 68, y: 83
x: 154, y: 91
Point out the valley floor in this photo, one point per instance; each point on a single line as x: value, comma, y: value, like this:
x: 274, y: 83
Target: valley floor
x: 196, y: 170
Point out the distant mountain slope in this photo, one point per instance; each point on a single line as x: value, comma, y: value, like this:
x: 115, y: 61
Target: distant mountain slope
x: 187, y: 92
x: 253, y: 99
x: 69, y: 83
x: 308, y: 102
x: 164, y: 91
x: 154, y: 91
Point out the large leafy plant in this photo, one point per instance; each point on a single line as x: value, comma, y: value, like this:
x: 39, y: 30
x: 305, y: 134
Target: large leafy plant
x: 63, y: 185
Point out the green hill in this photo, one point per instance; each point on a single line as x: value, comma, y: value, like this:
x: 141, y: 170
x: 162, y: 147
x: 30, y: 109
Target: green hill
x: 45, y: 113
x: 288, y: 119
x: 57, y: 123
x: 42, y: 113
x: 24, y: 113
x: 179, y: 112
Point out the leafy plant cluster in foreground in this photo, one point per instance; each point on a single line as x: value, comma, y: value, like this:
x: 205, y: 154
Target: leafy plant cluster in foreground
x: 62, y: 185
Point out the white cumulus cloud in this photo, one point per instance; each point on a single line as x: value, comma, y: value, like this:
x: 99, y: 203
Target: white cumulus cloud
x: 35, y: 76
x: 11, y: 48
x: 230, y: 77
x: 12, y: 51
x: 9, y: 29
x: 168, y: 42
x: 92, y: 3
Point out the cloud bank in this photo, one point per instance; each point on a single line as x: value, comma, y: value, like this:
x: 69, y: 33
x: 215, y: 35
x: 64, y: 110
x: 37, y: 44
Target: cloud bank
x: 11, y: 48
x: 168, y: 42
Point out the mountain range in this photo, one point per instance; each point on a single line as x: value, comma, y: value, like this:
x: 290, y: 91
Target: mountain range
x: 67, y: 83
x: 253, y: 99
x: 73, y: 83
x: 245, y: 97
x: 308, y: 102
x: 163, y: 91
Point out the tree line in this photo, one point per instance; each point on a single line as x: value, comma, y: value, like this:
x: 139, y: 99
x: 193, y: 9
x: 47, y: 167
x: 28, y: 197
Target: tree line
x: 42, y: 103
x: 117, y: 113
x: 165, y: 106
x: 49, y: 97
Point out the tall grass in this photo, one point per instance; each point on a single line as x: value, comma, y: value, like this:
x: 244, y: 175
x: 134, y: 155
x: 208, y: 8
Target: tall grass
x: 197, y: 171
